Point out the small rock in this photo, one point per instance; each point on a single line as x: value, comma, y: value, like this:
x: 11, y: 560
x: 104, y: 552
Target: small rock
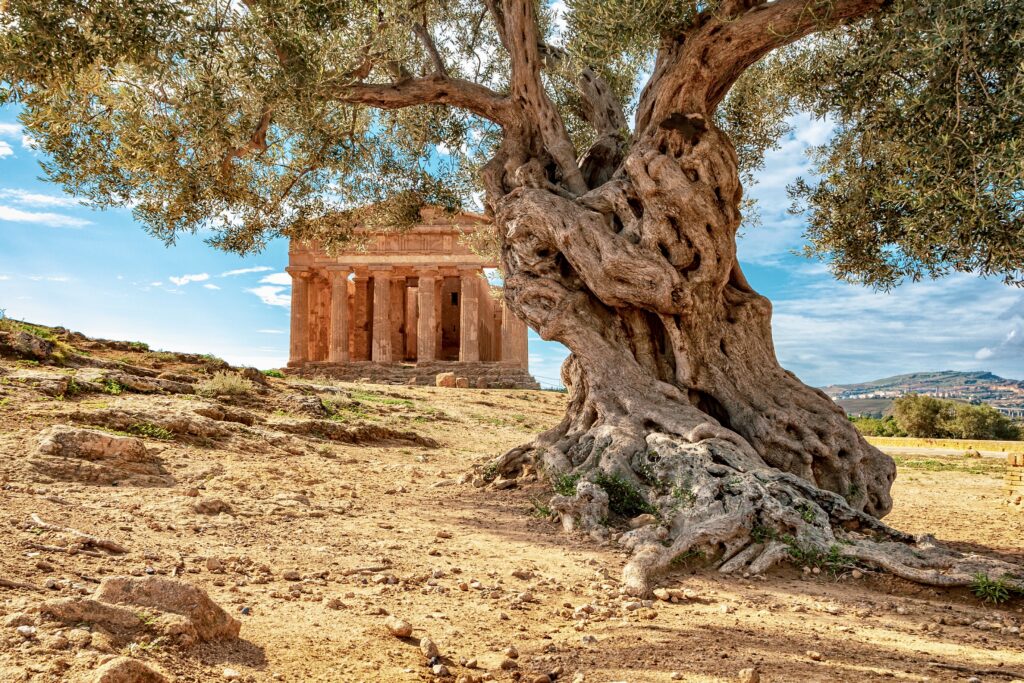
x: 749, y: 676
x: 429, y: 648
x: 231, y: 675
x: 211, y: 506
x: 642, y: 520
x: 27, y: 631
x: 399, y: 628
x: 127, y: 670
x: 509, y: 664
x: 291, y: 575
x: 857, y: 574
x: 814, y: 655
x: 213, y: 564
x: 542, y: 678
x: 511, y: 652
x: 439, y: 670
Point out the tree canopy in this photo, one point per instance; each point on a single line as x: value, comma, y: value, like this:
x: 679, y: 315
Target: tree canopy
x: 262, y: 118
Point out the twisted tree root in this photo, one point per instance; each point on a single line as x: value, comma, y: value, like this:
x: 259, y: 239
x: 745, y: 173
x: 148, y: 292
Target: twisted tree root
x: 712, y: 497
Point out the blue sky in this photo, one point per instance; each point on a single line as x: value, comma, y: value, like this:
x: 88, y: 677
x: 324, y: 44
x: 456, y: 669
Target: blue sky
x: 99, y: 273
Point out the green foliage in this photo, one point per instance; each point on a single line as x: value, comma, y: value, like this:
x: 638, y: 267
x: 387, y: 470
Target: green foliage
x: 925, y: 174
x: 928, y: 417
x: 995, y: 591
x: 113, y: 387
x: 624, y: 498
x: 274, y: 373
x: 19, y: 326
x: 150, y: 431
x: 565, y: 484
x: 873, y: 426
x: 140, y: 347
x: 239, y: 120
x: 225, y: 383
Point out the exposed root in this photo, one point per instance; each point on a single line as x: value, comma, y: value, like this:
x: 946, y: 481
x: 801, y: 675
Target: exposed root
x: 711, y: 498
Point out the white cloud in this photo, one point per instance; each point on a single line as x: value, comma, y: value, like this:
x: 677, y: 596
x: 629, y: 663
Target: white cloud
x: 271, y: 295
x: 10, y: 130
x: 185, y: 279
x: 243, y: 271
x: 28, y: 142
x: 52, y: 220
x: 35, y: 199
x: 283, y: 279
x: 49, y: 278
x: 156, y: 284
x: 5, y: 277
x: 5, y: 150
x: 210, y: 285
x: 270, y: 331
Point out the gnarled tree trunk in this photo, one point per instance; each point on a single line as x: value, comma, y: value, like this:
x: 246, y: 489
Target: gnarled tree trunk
x: 675, y: 393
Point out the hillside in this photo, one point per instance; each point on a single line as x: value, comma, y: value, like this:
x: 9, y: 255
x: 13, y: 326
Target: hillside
x: 876, y: 396
x: 163, y: 517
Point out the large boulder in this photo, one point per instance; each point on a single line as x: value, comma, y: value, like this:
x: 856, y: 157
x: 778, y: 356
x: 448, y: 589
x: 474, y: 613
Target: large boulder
x: 129, y: 608
x: 94, y: 457
x: 445, y: 379
x: 169, y: 595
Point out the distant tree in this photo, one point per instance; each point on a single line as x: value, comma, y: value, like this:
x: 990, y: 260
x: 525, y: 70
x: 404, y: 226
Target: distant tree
x: 610, y: 156
x: 875, y: 426
x: 978, y: 422
x: 922, y: 416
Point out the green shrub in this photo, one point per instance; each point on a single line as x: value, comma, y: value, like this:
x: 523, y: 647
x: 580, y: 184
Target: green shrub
x: 150, y: 431
x: 224, y: 383
x: 138, y: 346
x: 623, y: 498
x: 274, y: 373
x: 565, y: 484
x: 111, y: 386
x: 995, y: 591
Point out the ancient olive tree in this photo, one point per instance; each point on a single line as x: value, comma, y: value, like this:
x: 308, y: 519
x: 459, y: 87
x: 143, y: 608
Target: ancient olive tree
x: 608, y: 144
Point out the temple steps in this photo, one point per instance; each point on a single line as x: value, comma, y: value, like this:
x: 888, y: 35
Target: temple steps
x: 481, y: 374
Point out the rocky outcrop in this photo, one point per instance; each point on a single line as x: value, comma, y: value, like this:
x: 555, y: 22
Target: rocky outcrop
x: 129, y: 608
x: 23, y: 345
x: 358, y: 434
x: 94, y: 457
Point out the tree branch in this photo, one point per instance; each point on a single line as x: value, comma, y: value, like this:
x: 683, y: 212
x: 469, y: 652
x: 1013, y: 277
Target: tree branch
x: 410, y: 92
x: 256, y: 143
x: 428, y: 44
x: 522, y: 35
x: 695, y: 70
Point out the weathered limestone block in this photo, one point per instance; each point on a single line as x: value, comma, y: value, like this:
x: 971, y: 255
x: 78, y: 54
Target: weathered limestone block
x: 462, y: 382
x: 49, y: 383
x: 94, y: 457
x: 144, y: 385
x: 127, y: 607
x: 446, y: 379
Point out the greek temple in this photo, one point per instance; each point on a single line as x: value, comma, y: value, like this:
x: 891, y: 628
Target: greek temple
x: 403, y: 307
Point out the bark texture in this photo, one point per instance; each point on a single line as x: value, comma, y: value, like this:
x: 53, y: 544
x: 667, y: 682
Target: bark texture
x: 677, y: 404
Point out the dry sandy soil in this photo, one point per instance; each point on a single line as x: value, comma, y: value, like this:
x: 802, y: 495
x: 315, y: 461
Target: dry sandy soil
x: 319, y: 540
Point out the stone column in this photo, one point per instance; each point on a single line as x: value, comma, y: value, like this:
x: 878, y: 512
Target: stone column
x: 513, y: 338
x: 299, y: 338
x: 360, y: 323
x: 411, y: 322
x: 381, y: 347
x: 338, y: 349
x: 469, y: 317
x: 426, y: 324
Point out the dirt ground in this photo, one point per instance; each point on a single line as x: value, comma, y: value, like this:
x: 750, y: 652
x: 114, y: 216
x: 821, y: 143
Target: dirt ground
x: 386, y: 526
